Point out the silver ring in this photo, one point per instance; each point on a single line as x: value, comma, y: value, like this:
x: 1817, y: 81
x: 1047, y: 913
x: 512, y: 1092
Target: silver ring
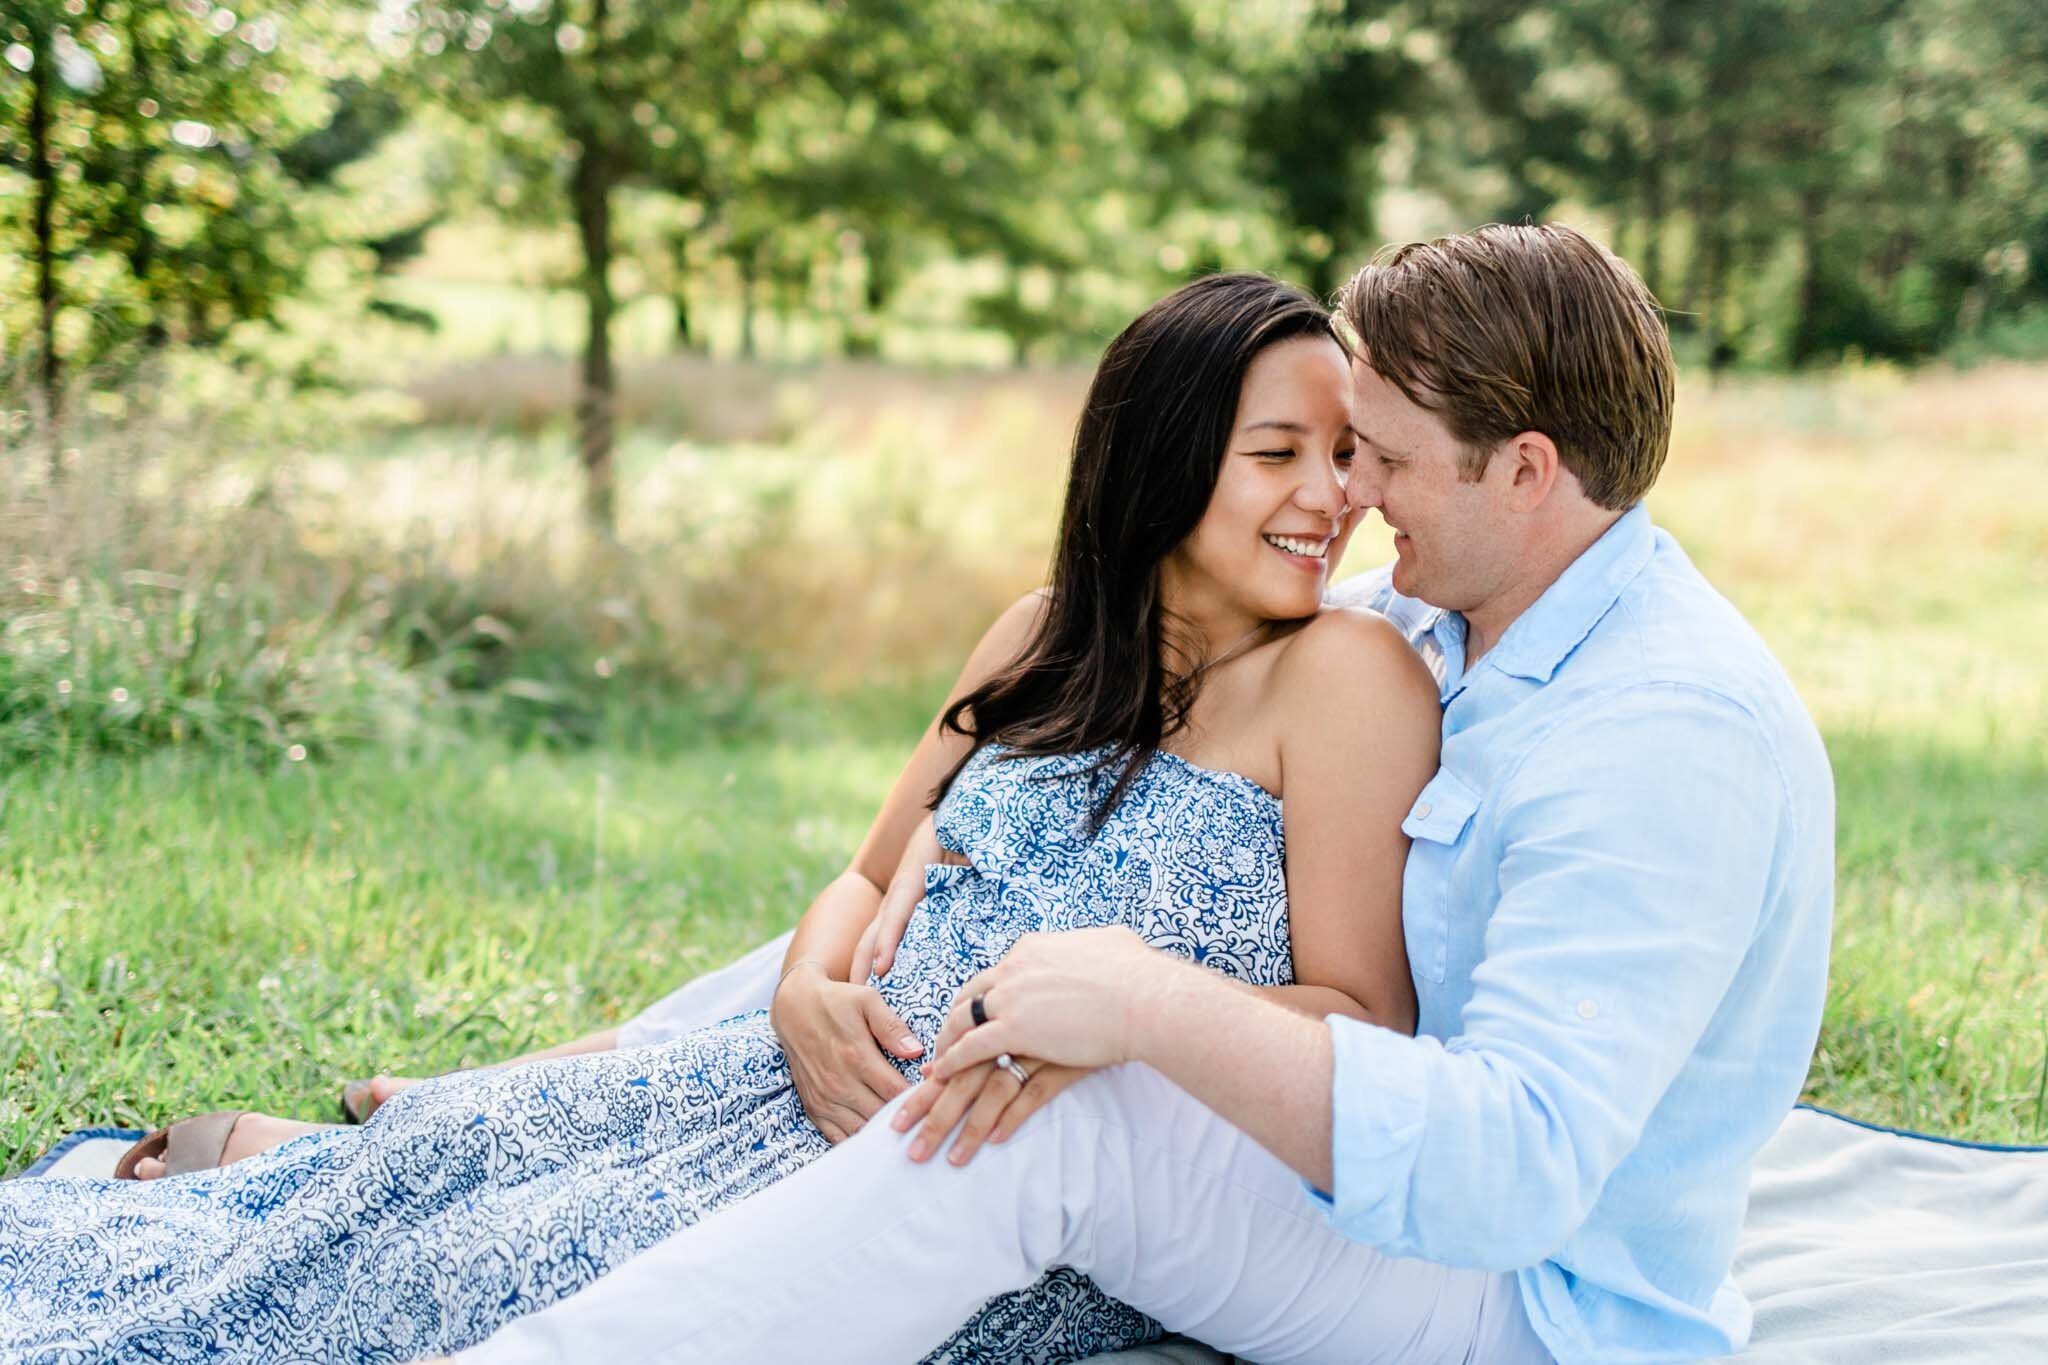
x: 1009, y: 1064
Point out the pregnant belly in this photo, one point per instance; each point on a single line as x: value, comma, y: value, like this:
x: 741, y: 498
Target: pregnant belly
x: 959, y: 928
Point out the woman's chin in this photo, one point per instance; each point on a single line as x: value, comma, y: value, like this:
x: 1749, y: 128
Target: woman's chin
x: 1290, y: 606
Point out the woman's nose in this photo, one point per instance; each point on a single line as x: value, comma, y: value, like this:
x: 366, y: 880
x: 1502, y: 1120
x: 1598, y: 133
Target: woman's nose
x: 1323, y: 493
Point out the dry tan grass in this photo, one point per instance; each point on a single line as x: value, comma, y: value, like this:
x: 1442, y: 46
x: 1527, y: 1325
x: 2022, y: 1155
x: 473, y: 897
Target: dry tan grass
x: 848, y: 523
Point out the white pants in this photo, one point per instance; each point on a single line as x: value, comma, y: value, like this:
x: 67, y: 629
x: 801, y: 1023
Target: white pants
x: 865, y: 1256
x: 738, y: 988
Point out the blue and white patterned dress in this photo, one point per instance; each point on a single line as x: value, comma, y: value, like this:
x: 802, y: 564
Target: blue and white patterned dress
x: 479, y: 1197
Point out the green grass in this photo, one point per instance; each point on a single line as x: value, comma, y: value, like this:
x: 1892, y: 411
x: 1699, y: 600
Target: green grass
x: 179, y: 931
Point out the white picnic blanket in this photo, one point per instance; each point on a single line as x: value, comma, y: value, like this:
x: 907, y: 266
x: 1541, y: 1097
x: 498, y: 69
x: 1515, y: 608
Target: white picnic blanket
x: 1867, y: 1246
x: 1862, y: 1247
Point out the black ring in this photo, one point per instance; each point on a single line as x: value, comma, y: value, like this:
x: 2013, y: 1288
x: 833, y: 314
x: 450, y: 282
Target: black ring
x: 977, y: 1010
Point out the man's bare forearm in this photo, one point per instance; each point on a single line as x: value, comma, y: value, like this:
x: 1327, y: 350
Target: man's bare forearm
x: 1263, y: 1065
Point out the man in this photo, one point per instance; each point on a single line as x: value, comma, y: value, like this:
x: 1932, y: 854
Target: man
x: 1616, y: 903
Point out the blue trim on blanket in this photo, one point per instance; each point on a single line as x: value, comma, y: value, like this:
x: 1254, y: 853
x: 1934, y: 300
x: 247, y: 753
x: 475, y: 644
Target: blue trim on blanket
x: 1921, y: 1137
x: 70, y: 1140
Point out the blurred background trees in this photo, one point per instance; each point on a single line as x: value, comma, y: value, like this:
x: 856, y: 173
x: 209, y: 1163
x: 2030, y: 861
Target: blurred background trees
x: 1800, y: 180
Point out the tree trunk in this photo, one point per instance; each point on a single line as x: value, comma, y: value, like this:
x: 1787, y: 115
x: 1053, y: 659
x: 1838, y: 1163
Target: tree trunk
x: 745, y: 261
x: 1806, y: 326
x: 1714, y: 244
x: 44, y: 228
x: 864, y: 328
x: 1655, y: 207
x: 142, y: 237
x: 597, y: 399
x: 680, y: 297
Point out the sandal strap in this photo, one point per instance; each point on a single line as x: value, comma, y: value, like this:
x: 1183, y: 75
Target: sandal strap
x: 357, y: 1104
x: 193, y: 1144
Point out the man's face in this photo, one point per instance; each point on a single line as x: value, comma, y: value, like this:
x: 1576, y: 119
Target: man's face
x: 1451, y: 536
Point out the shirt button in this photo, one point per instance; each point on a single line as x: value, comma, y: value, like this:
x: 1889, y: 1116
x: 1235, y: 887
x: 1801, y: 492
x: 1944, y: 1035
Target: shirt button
x: 1587, y: 1009
x: 1422, y: 811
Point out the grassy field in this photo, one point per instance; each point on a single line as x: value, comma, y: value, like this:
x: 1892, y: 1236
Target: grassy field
x: 182, y: 929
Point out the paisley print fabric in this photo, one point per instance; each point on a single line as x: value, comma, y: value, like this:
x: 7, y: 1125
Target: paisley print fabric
x: 478, y: 1197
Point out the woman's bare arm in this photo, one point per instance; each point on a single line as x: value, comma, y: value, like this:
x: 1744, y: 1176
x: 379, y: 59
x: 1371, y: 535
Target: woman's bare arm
x: 1360, y: 735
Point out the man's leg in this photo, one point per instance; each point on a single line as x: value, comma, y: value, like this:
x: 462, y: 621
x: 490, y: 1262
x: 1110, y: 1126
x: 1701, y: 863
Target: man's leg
x: 864, y: 1256
x: 739, y: 987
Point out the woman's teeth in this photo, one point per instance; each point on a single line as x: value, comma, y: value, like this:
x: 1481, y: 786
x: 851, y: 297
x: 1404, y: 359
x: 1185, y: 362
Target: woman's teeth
x: 1313, y: 549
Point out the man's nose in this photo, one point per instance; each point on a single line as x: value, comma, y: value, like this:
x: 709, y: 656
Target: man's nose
x: 1362, y: 491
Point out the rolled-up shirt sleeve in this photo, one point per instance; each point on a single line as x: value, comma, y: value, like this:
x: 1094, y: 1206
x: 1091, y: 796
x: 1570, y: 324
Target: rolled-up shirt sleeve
x: 1636, y: 843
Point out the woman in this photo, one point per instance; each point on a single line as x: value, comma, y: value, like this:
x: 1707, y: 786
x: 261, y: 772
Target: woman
x: 1116, y: 752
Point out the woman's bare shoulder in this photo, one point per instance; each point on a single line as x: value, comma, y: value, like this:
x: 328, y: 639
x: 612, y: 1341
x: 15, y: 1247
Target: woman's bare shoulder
x: 1005, y: 640
x: 1349, y: 655
x: 1019, y: 621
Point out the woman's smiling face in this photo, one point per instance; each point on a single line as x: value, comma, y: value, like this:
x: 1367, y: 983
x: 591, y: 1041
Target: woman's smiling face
x: 1275, y: 526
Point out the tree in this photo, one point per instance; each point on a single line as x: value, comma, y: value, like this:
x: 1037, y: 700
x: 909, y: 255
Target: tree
x: 631, y: 90
x: 151, y: 136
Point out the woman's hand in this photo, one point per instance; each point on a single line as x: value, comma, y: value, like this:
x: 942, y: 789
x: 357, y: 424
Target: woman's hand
x: 876, y: 950
x: 833, y: 1033
x: 1075, y: 998
x: 993, y: 1100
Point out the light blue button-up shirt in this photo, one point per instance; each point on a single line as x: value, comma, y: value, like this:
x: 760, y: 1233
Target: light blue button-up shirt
x: 1617, y: 903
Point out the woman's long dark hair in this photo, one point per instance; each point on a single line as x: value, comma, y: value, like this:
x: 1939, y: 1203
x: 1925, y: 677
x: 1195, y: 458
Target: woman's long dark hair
x: 1096, y: 674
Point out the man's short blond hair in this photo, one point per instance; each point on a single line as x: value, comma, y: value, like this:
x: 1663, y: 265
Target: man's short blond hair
x: 1513, y: 329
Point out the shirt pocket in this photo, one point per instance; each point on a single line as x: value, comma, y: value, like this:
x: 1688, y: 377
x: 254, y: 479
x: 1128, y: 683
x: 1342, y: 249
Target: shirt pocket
x: 1436, y: 825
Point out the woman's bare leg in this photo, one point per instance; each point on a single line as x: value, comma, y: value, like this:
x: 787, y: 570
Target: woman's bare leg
x: 383, y: 1088
x: 251, y: 1134
x: 255, y: 1133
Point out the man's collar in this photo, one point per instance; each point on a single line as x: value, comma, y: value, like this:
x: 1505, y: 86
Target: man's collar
x: 1540, y: 638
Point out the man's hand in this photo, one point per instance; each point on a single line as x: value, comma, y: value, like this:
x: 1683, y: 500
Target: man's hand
x: 833, y: 1033
x: 989, y: 1096
x: 1075, y: 998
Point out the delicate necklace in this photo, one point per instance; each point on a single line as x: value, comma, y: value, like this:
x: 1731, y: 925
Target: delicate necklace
x: 1243, y: 643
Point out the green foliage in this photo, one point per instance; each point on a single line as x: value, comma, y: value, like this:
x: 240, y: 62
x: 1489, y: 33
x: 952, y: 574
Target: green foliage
x: 142, y: 660
x: 145, y: 154
x: 1801, y: 180
x: 1897, y: 150
x: 1316, y: 140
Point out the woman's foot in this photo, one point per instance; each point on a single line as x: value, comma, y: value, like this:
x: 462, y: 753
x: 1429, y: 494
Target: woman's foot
x: 383, y: 1088
x: 251, y: 1134
x: 360, y: 1099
